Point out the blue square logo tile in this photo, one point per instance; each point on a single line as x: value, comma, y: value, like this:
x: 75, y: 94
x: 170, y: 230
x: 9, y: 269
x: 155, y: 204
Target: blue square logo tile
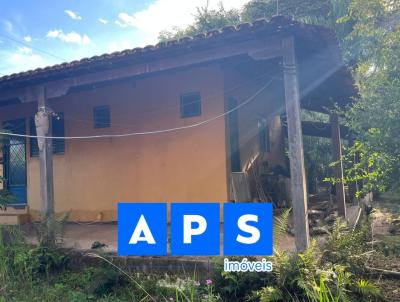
x: 142, y: 229
x: 195, y: 229
x: 248, y: 229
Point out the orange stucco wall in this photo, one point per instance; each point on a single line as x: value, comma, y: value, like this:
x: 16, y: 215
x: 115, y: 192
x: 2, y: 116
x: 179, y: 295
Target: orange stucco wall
x: 93, y: 175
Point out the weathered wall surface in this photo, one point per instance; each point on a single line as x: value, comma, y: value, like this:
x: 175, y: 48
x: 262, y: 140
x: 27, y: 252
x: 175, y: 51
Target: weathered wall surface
x: 268, y: 105
x: 93, y: 175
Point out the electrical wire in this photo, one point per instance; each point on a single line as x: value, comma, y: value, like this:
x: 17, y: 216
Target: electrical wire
x: 210, y: 97
x: 248, y: 100
x: 34, y: 47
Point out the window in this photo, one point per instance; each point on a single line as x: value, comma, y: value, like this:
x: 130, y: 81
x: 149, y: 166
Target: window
x: 101, y: 117
x: 57, y: 130
x: 263, y: 134
x: 190, y: 104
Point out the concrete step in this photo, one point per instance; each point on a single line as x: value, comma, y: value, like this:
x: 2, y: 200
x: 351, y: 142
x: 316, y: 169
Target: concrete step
x: 11, y: 210
x: 14, y: 215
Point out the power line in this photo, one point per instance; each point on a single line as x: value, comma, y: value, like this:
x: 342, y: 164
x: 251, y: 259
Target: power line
x: 210, y: 97
x: 248, y: 100
x: 33, y: 47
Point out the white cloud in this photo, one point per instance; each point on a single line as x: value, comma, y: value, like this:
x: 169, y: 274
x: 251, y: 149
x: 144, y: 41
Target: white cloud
x: 125, y: 20
x: 20, y: 61
x: 71, y: 37
x: 119, y: 45
x: 28, y: 39
x: 101, y: 20
x: 166, y: 14
x: 33, y: 59
x: 54, y: 33
x: 72, y: 14
x: 25, y: 50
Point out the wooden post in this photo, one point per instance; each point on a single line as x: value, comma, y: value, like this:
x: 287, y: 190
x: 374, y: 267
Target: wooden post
x: 353, y: 186
x: 43, y: 128
x: 296, y: 152
x: 338, y: 169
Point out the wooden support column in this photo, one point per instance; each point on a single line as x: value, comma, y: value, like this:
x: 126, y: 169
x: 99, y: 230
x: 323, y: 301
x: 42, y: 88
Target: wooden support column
x: 43, y: 128
x: 338, y: 169
x: 296, y: 152
x: 353, y: 186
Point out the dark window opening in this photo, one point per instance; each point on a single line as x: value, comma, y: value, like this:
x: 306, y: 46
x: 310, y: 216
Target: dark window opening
x: 57, y: 131
x: 263, y: 134
x: 190, y: 104
x: 101, y: 117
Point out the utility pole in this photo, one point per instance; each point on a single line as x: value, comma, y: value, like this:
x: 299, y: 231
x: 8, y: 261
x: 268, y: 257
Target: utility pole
x: 43, y: 129
x: 296, y: 152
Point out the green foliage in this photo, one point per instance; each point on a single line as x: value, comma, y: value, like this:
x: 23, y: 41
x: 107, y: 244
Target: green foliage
x: 317, y: 159
x: 38, y: 261
x: 50, y: 230
x: 46, y: 274
x: 280, y: 225
x: 317, y: 152
x: 237, y: 286
x: 11, y: 244
x: 348, y: 247
x: 365, y: 290
x: 270, y: 293
x: 304, y: 10
x: 21, y: 262
x: 205, y: 20
x: 333, y: 275
x: 368, y: 167
x: 6, y: 197
x: 324, y: 12
x: 305, y: 277
x: 373, y: 45
x: 310, y: 276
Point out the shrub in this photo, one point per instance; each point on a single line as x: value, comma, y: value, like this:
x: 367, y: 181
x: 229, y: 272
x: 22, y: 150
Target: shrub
x: 348, y: 247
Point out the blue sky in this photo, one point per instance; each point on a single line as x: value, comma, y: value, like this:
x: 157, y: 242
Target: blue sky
x: 44, y: 32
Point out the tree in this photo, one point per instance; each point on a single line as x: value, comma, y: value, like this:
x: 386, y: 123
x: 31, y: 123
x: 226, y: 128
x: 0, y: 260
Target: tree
x: 375, y: 116
x: 205, y: 20
x: 304, y: 10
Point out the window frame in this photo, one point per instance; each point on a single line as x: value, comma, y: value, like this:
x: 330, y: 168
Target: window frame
x: 101, y: 124
x: 182, y: 105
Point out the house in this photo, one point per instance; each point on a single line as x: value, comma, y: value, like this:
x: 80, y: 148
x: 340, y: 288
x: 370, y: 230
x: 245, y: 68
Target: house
x: 171, y: 122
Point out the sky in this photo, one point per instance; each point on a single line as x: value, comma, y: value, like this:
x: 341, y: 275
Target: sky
x: 46, y: 32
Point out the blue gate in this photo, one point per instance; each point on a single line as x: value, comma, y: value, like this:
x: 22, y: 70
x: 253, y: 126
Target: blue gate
x: 15, y: 161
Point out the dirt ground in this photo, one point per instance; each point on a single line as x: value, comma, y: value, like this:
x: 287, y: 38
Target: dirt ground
x: 386, y: 210
x: 81, y: 236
